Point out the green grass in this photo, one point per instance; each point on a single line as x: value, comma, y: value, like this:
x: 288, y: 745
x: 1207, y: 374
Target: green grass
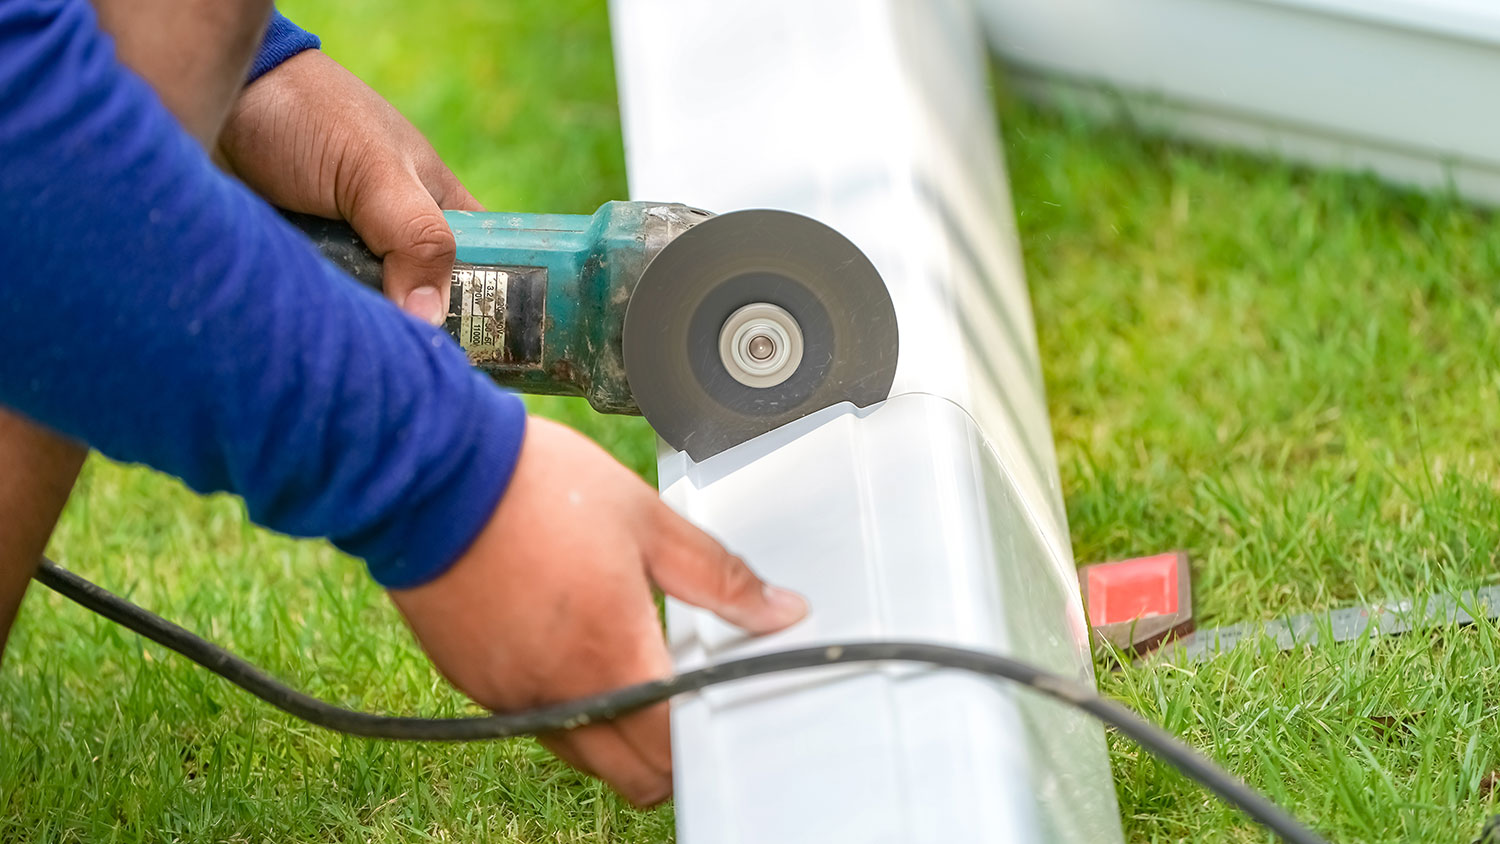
x: 1291, y: 375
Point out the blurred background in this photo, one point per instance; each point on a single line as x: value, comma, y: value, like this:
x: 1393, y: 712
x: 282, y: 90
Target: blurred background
x: 1291, y: 374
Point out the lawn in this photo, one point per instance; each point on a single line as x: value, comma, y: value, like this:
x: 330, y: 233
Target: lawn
x: 1292, y: 375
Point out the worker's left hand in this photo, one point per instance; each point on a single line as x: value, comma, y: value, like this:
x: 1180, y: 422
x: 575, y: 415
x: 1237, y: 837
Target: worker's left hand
x: 310, y: 137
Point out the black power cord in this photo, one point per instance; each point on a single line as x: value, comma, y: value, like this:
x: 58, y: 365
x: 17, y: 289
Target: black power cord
x: 603, y: 707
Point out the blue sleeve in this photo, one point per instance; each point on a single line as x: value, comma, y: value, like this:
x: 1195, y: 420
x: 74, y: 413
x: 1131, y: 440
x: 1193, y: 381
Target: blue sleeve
x: 283, y: 40
x: 154, y: 308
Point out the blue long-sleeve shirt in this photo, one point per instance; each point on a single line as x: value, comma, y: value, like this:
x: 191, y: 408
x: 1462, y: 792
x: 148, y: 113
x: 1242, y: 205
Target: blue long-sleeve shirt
x: 154, y: 308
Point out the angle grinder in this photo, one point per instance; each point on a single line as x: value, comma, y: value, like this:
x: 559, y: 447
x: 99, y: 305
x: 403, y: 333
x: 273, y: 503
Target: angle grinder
x: 715, y: 328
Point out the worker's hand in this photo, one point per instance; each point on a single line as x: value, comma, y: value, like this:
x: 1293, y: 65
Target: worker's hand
x: 554, y: 602
x: 310, y: 137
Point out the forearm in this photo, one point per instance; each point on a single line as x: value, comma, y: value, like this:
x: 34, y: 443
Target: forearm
x: 160, y: 312
x: 195, y: 59
x: 195, y: 53
x: 40, y: 467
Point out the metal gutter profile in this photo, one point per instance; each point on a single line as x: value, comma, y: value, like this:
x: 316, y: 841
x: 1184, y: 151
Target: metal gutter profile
x: 936, y: 515
x: 1394, y: 86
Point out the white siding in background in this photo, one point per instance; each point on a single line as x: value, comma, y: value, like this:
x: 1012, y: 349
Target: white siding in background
x: 1400, y: 87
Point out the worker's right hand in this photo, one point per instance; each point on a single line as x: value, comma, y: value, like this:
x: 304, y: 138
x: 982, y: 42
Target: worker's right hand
x: 553, y: 601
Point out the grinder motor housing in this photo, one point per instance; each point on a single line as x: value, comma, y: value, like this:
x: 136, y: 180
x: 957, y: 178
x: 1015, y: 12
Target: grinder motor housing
x: 717, y: 329
x: 538, y: 300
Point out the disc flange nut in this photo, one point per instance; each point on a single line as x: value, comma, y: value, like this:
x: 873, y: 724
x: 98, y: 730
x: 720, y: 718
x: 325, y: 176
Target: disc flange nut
x: 760, y: 345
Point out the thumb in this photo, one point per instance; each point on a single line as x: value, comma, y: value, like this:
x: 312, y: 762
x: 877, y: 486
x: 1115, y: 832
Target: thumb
x: 693, y: 567
x: 401, y: 222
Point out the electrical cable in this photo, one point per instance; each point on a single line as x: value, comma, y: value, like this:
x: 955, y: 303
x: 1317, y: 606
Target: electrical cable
x: 605, y: 706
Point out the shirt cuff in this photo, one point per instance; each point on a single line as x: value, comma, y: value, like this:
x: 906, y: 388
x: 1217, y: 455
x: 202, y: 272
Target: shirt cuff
x: 283, y: 40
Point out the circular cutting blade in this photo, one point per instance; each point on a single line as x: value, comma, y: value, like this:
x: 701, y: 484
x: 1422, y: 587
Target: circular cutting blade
x: 678, y: 312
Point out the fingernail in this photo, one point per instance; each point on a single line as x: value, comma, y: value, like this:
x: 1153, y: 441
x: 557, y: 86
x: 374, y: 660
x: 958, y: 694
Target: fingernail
x: 655, y: 797
x: 425, y: 303
x: 787, y: 604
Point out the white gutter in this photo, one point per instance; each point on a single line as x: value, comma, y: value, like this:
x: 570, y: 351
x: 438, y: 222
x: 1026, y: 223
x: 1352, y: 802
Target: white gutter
x: 935, y: 516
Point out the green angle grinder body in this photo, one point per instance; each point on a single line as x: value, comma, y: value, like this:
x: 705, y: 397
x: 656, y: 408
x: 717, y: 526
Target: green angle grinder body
x: 753, y: 319
x: 715, y: 328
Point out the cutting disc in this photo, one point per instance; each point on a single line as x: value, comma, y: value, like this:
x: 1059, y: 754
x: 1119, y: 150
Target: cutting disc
x: 753, y: 319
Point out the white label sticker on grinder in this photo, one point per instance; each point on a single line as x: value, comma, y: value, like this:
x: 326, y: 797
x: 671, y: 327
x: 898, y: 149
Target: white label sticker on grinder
x: 480, y: 295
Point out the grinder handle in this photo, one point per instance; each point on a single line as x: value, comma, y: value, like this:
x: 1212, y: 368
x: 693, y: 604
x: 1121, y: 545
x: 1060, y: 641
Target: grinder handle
x: 338, y: 242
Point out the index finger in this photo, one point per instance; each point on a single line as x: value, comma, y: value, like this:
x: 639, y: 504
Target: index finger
x: 693, y: 567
